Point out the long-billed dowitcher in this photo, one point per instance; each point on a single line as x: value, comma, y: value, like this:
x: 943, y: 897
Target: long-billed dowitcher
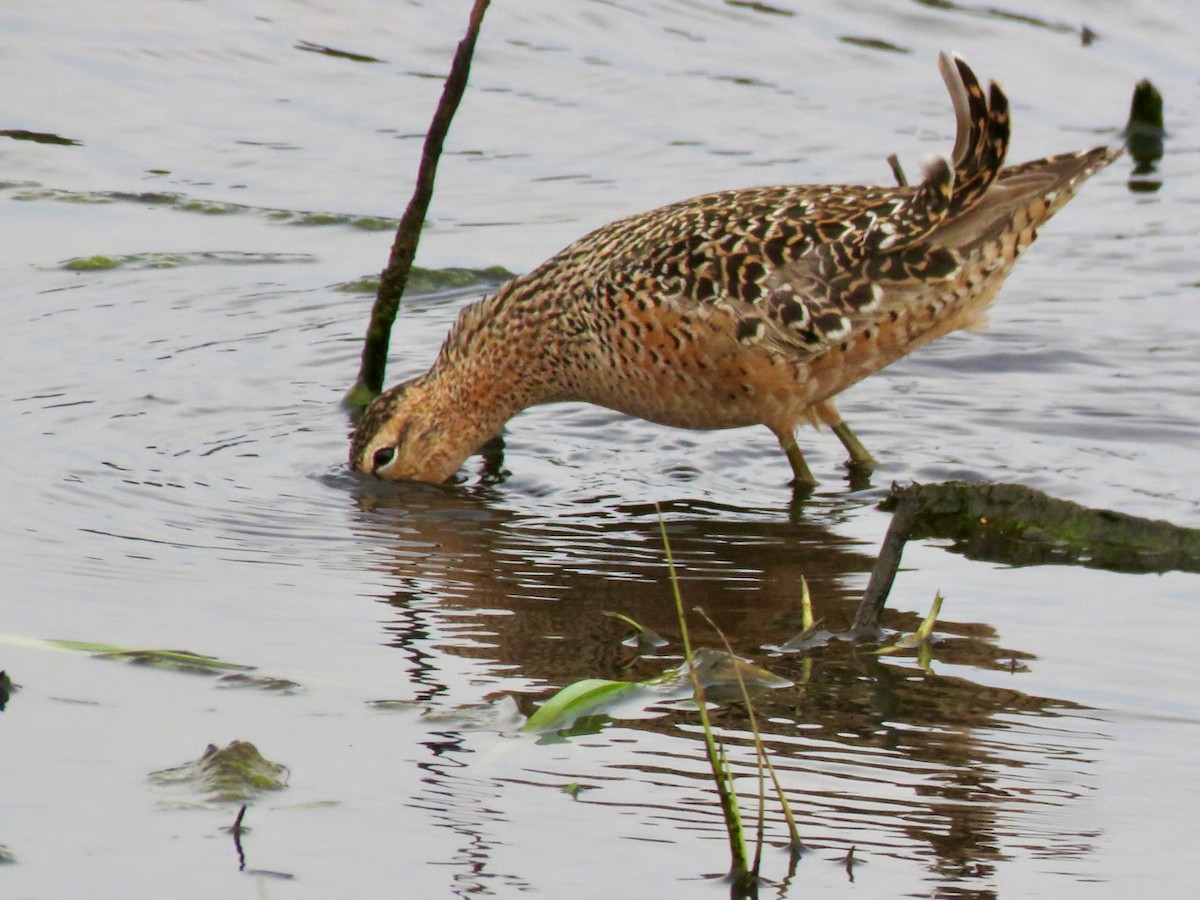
x: 745, y: 307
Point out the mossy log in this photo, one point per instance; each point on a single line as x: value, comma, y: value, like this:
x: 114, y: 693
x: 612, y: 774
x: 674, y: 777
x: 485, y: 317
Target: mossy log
x: 1020, y: 526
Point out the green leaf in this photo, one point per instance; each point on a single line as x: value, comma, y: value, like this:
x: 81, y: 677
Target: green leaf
x: 806, y: 607
x: 90, y: 263
x: 813, y: 635
x: 574, y: 789
x: 579, y: 699
x: 921, y: 635
x: 715, y: 669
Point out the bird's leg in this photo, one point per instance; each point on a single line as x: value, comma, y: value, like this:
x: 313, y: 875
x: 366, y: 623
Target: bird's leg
x: 860, y: 456
x: 802, y: 474
x: 493, y: 460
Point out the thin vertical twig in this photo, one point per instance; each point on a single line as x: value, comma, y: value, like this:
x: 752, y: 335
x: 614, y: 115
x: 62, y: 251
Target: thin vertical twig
x: 394, y: 278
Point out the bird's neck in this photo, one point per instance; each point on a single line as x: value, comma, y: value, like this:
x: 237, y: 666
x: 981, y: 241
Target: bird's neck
x: 501, y: 356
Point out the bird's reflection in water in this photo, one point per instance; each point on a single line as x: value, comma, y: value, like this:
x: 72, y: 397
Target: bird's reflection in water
x: 523, y: 595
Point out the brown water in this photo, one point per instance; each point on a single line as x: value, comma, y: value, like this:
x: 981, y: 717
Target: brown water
x: 173, y: 462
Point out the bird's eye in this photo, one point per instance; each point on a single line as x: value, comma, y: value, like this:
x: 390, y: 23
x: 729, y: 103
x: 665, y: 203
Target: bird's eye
x: 382, y: 457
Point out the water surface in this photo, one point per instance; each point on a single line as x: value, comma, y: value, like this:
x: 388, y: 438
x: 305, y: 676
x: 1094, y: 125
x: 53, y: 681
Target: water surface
x: 173, y: 460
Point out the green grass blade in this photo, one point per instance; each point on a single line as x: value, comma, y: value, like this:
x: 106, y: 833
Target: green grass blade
x: 739, y: 870
x: 577, y: 700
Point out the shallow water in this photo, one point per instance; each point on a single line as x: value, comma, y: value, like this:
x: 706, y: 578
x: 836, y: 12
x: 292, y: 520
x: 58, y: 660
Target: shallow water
x: 173, y: 461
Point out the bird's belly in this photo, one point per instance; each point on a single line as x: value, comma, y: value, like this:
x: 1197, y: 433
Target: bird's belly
x: 721, y: 388
x: 691, y: 372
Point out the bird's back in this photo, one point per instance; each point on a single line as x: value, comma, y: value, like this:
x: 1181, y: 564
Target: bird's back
x: 749, y: 306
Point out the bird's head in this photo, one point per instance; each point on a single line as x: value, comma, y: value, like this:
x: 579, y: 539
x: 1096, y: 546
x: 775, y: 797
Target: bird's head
x: 402, y: 437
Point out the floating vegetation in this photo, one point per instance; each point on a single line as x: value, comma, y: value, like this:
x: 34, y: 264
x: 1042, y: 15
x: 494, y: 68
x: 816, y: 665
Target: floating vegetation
x: 400, y: 705
x: 180, y: 660
x: 714, y: 669
x: 580, y: 699
x: 175, y: 260
x: 228, y: 674
x: 921, y: 640
x: 871, y: 43
x: 39, y: 137
x: 233, y: 774
x: 499, y: 715
x: 761, y: 7
x: 31, y: 192
x: 574, y: 789
x: 364, y: 223
x: 258, y: 682
x: 1144, y: 134
x: 427, y: 281
x: 995, y: 12
x: 6, y: 689
x: 310, y: 47
x: 1018, y: 525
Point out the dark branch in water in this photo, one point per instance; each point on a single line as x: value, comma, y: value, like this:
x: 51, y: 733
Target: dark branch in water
x: 236, y: 827
x: 236, y: 830
x: 866, y: 621
x: 394, y: 278
x: 1144, y: 132
x: 1018, y: 526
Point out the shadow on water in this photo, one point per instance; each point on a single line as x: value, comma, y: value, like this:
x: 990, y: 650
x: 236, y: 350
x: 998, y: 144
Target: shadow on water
x: 918, y: 764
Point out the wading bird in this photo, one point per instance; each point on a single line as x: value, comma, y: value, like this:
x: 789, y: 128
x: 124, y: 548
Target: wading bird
x: 744, y: 307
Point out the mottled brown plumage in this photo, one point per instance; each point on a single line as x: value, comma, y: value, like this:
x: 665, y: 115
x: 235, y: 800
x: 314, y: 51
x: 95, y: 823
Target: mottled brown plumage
x: 744, y: 307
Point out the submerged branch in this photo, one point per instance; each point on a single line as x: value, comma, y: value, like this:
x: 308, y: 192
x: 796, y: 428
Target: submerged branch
x: 1144, y: 132
x: 394, y: 278
x: 1020, y: 526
